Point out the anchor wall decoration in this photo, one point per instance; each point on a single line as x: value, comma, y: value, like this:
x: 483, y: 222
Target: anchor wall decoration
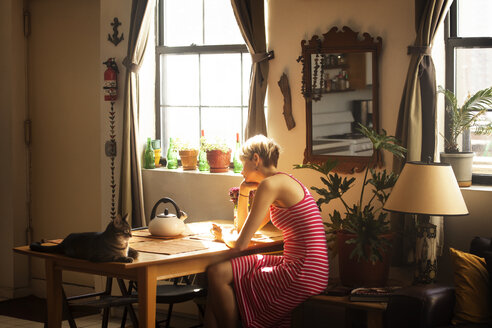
x: 115, y: 39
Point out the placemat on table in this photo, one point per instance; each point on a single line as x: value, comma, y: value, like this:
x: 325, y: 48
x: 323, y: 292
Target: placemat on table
x: 138, y: 239
x: 169, y: 247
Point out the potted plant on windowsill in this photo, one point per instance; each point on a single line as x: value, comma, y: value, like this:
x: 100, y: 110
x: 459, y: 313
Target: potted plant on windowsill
x: 360, y: 235
x: 188, y: 154
x: 470, y: 115
x: 218, y: 156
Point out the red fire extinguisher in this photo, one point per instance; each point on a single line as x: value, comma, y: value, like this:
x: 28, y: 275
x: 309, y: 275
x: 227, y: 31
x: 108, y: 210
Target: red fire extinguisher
x: 110, y: 80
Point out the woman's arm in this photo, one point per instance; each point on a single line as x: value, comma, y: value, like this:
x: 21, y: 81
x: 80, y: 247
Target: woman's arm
x: 259, y: 214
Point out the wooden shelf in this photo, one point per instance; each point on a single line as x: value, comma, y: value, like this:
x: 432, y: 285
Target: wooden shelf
x: 320, y: 91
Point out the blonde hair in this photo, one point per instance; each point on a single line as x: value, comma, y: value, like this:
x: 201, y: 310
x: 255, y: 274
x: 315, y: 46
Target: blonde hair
x: 266, y: 148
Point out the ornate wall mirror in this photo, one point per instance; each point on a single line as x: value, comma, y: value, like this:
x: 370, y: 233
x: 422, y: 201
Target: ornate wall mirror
x: 341, y: 86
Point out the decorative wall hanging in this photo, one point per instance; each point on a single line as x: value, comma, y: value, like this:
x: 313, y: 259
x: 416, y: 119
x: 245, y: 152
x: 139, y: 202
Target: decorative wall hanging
x: 115, y: 39
x: 283, y: 83
x: 111, y: 94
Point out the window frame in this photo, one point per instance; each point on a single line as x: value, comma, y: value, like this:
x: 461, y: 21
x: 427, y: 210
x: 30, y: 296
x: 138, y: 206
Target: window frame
x: 192, y: 49
x: 452, y: 41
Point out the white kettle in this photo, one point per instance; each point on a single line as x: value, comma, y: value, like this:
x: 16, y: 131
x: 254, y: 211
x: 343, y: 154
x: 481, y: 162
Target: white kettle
x: 167, y: 224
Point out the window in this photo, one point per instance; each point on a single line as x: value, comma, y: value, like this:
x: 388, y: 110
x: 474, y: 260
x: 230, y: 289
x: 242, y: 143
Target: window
x: 469, y: 69
x: 204, y: 70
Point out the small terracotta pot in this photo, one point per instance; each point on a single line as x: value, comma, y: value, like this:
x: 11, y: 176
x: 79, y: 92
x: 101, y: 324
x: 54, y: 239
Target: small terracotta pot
x: 188, y: 159
x: 363, y: 273
x: 218, y: 160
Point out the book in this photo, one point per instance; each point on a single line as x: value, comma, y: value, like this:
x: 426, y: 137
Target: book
x: 337, y: 291
x: 373, y: 294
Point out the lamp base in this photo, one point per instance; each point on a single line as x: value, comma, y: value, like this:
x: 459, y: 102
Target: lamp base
x: 426, y: 254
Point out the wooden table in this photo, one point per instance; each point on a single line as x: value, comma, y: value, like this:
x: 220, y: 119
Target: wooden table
x: 149, y: 267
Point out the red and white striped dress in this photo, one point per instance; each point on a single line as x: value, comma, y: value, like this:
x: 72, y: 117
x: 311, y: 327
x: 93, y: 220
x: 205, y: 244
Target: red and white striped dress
x: 269, y: 287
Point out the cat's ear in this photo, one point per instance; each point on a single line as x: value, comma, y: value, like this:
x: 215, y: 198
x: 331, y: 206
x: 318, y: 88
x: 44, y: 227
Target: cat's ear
x: 117, y: 219
x: 125, y: 218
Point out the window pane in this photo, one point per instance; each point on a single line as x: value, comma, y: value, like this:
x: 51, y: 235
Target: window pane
x: 182, y: 123
x: 482, y: 147
x: 180, y: 80
x: 183, y: 21
x: 473, y: 73
x: 474, y: 18
x: 222, y: 123
x: 223, y: 30
x: 221, y: 80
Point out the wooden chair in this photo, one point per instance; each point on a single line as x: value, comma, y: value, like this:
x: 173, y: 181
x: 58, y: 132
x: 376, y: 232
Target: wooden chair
x: 178, y: 290
x: 102, y: 300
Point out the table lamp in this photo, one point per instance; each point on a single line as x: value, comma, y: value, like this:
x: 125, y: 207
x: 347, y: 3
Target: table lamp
x: 426, y: 189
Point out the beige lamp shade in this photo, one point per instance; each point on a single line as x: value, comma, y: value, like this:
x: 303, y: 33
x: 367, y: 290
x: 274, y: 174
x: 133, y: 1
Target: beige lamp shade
x: 426, y: 188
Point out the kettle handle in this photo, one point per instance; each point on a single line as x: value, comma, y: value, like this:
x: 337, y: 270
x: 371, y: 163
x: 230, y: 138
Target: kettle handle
x: 165, y: 200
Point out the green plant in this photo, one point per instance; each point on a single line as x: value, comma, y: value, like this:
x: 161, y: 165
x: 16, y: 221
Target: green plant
x: 469, y: 115
x: 181, y: 144
x: 365, y: 220
x: 217, y: 145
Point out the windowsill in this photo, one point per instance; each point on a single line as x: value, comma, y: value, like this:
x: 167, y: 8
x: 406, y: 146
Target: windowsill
x: 477, y: 187
x: 202, y: 195
x: 181, y: 171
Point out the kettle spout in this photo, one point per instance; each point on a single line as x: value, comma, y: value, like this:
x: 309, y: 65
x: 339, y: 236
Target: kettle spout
x: 183, y: 215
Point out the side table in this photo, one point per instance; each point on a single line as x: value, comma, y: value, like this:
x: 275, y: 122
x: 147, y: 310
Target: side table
x: 374, y: 310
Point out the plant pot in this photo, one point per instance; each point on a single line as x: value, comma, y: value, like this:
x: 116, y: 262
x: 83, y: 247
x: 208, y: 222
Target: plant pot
x: 361, y: 273
x: 188, y: 159
x: 462, y: 166
x: 218, y: 160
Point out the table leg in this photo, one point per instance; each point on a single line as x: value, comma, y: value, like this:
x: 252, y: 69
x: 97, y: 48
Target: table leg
x: 53, y: 294
x: 374, y: 319
x: 147, y: 287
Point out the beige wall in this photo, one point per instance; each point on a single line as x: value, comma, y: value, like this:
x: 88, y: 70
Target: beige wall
x: 14, y: 274
x: 64, y: 75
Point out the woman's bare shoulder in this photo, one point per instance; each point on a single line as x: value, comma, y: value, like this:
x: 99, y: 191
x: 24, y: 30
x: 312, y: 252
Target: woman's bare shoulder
x: 277, y: 181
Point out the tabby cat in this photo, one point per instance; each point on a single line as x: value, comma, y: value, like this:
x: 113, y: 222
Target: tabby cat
x: 111, y: 245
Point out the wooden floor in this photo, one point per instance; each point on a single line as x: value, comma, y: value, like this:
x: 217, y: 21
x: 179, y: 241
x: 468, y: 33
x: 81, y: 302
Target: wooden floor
x: 93, y: 321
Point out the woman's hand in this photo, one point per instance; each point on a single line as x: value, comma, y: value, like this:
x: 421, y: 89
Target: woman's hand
x: 245, y: 187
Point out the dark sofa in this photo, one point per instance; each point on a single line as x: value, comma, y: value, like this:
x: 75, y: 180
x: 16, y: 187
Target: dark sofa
x: 429, y: 305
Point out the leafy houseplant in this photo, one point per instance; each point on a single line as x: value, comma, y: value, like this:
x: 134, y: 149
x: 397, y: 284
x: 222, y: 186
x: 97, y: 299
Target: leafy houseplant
x: 470, y: 115
x: 218, y: 156
x: 364, y: 220
x: 363, y: 224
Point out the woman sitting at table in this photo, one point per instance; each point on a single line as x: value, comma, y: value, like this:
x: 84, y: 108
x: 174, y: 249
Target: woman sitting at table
x: 263, y: 289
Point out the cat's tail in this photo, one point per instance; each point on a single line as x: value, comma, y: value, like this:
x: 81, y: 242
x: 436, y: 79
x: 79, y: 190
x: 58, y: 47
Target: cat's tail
x: 36, y: 246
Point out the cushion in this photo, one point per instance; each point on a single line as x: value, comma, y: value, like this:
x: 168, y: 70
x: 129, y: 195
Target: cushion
x: 471, y: 281
x: 479, y: 245
x: 488, y: 264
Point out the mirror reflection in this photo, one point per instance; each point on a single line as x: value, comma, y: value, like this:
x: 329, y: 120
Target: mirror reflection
x: 341, y: 94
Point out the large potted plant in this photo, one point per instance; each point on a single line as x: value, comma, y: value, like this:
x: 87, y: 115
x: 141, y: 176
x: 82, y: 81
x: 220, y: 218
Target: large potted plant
x: 470, y: 115
x: 361, y: 235
x: 218, y: 156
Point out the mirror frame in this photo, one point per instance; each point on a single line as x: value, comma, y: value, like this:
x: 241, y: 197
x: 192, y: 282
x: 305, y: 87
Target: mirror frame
x: 344, y: 41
